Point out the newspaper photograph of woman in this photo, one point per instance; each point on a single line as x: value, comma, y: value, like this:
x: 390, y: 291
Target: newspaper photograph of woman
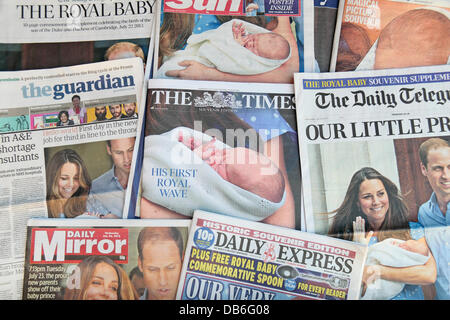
x: 70, y: 172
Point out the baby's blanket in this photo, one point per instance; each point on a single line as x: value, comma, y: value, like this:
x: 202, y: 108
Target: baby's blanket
x: 217, y: 48
x: 176, y: 178
x: 387, y: 254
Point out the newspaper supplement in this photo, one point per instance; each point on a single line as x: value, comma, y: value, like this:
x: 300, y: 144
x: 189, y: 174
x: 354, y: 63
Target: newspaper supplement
x: 102, y: 260
x: 222, y: 146
x: 371, y: 146
x: 384, y: 34
x: 325, y: 12
x: 239, y: 41
x: 67, y: 136
x: 233, y: 259
x: 40, y: 34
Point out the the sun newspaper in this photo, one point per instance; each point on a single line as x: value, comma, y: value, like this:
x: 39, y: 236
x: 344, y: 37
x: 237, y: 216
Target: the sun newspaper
x: 325, y: 12
x: 227, y: 147
x: 362, y: 139
x: 382, y: 34
x: 92, y: 259
x: 234, y: 259
x: 54, y: 161
x: 39, y: 34
x: 234, y: 40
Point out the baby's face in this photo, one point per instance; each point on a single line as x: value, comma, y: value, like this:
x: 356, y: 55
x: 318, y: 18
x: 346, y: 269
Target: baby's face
x: 267, y: 45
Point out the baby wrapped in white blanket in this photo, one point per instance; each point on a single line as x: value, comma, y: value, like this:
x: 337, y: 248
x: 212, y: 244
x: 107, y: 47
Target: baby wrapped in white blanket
x: 234, y: 181
x: 236, y: 47
x: 393, y: 253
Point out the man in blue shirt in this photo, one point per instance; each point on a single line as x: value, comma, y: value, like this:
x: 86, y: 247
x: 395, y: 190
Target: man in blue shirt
x: 110, y: 187
x: 434, y: 214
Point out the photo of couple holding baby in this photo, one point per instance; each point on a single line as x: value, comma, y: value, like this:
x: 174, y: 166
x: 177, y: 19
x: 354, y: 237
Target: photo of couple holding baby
x: 226, y: 48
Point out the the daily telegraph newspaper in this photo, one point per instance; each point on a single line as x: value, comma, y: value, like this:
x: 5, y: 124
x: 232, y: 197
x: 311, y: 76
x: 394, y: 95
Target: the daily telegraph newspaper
x: 67, y: 137
x: 325, y: 12
x: 234, y: 40
x: 40, y: 34
x: 103, y: 260
x: 382, y: 34
x: 365, y: 140
x: 226, y: 147
x: 233, y: 259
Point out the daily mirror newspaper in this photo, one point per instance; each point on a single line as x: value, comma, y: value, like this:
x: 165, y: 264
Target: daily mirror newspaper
x: 222, y: 146
x: 39, y: 34
x: 233, y: 259
x: 382, y: 34
x: 367, y: 145
x: 103, y: 260
x: 234, y: 40
x: 67, y: 136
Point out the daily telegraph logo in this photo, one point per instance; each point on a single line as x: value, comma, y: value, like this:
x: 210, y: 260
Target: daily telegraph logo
x: 59, y: 91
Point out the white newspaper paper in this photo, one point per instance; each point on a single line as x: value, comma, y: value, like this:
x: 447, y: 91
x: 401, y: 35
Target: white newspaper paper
x: 39, y: 148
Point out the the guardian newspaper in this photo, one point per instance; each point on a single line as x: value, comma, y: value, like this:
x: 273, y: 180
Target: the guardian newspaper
x: 67, y: 138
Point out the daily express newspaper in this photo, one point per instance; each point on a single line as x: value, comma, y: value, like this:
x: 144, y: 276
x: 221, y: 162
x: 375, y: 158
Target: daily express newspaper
x: 325, y: 12
x: 226, y: 147
x: 55, y: 162
x: 364, y: 146
x: 381, y: 34
x: 233, y: 259
x: 39, y: 34
x: 234, y: 40
x: 103, y: 260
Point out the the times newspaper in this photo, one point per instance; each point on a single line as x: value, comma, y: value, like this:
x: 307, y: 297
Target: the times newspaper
x: 39, y: 34
x: 325, y: 12
x: 234, y: 259
x: 234, y: 40
x: 56, y: 163
x: 382, y: 34
x: 226, y: 147
x: 364, y: 138
x: 98, y: 260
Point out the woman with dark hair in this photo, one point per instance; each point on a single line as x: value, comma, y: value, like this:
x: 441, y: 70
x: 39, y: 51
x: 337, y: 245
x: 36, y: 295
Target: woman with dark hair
x: 68, y: 186
x: 63, y: 119
x: 99, y: 278
x: 373, y: 202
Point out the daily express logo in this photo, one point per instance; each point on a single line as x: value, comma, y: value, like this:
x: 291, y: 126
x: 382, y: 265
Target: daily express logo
x: 73, y: 245
x: 104, y: 82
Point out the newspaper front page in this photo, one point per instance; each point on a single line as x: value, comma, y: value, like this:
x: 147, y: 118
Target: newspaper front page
x: 227, y: 147
x: 239, y: 40
x: 40, y: 34
x: 55, y: 162
x: 233, y: 259
x: 382, y: 34
x: 103, y: 260
x: 325, y: 12
x: 364, y: 140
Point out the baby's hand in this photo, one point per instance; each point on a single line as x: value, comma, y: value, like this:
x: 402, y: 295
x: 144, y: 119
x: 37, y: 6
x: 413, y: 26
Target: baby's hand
x: 190, y: 142
x: 238, y: 32
x: 359, y: 231
x: 206, y: 150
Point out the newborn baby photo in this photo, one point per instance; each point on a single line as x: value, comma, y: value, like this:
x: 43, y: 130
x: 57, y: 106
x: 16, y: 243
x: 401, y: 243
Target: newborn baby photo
x: 237, y: 47
x: 235, y: 181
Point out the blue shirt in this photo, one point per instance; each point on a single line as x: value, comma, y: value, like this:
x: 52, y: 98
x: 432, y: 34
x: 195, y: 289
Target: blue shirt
x: 437, y: 235
x: 109, y: 192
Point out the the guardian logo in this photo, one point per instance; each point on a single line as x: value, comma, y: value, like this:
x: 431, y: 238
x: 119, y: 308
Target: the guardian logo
x: 104, y: 82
